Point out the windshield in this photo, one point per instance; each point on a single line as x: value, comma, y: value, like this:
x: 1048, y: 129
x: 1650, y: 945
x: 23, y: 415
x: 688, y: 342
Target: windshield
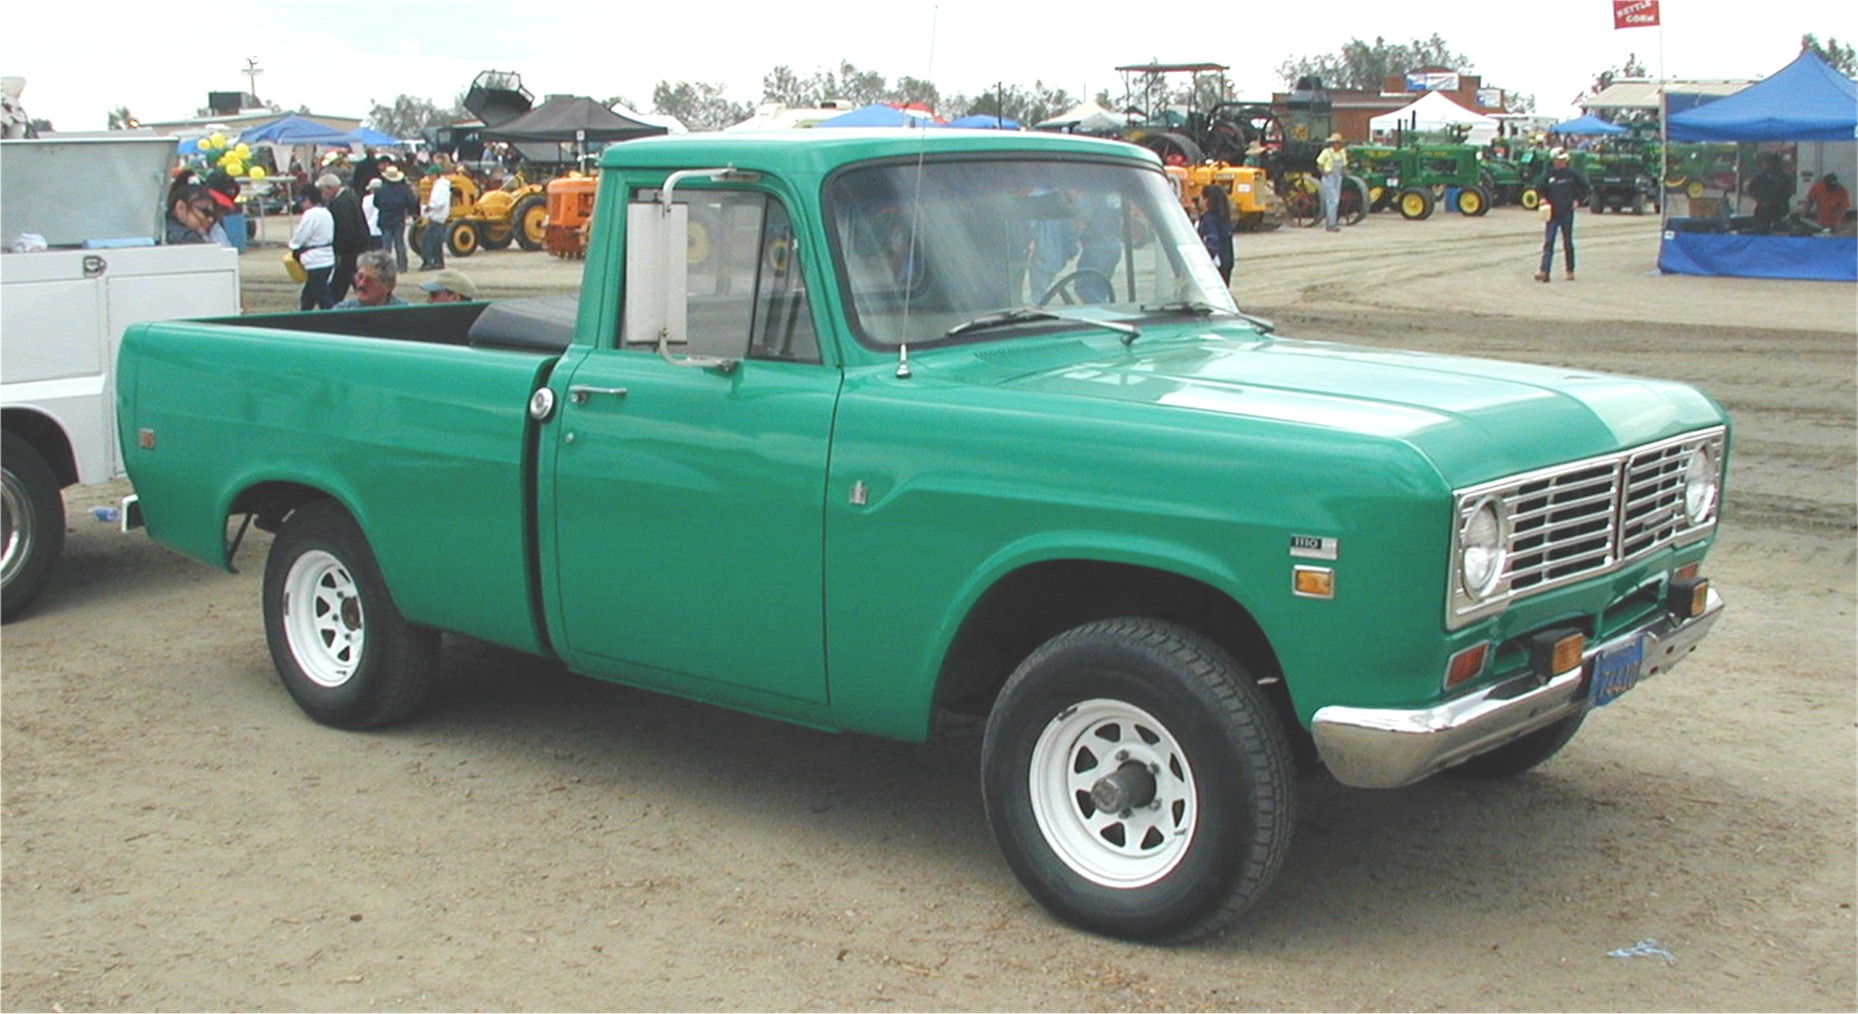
x: 925, y: 249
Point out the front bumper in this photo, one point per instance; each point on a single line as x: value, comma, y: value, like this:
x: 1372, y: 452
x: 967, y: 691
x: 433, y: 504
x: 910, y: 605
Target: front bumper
x: 1385, y: 748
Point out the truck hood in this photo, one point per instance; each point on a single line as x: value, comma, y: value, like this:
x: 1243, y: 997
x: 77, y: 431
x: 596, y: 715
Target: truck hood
x: 1475, y: 419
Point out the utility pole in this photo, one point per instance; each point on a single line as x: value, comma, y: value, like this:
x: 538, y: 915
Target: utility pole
x: 251, y: 72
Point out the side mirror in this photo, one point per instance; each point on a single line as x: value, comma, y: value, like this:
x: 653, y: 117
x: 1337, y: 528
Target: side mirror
x: 657, y: 298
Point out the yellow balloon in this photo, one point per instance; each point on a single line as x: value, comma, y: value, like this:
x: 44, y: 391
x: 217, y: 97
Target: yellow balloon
x: 242, y: 150
x: 216, y: 141
x: 258, y: 172
x: 235, y: 168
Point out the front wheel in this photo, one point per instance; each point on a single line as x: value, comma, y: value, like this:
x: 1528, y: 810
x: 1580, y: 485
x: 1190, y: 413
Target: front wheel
x: 462, y: 238
x: 1138, y: 781
x: 342, y: 649
x: 32, y: 525
x: 1520, y: 755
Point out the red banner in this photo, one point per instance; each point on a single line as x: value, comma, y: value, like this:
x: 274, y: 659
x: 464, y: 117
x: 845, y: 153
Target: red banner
x: 1635, y: 13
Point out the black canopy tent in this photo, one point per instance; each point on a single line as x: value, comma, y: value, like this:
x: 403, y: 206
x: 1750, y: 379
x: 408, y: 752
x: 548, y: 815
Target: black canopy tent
x: 570, y: 121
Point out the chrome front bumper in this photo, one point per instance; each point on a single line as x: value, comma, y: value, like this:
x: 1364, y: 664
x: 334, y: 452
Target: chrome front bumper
x: 1385, y: 748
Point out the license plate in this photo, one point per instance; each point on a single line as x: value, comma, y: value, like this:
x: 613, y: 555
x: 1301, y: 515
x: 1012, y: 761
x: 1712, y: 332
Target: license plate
x: 1616, y: 670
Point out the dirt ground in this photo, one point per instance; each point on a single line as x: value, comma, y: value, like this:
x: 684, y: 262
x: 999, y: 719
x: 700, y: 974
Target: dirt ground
x: 177, y: 835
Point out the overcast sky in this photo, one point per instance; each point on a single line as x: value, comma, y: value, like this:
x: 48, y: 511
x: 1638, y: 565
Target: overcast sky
x: 82, y: 59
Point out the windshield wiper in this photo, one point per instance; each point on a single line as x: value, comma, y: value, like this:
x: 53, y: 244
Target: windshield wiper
x: 1190, y: 307
x: 1031, y: 315
x: 1197, y: 308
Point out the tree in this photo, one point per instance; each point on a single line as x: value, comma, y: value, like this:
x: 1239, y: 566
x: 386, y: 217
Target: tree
x: 122, y: 119
x: 1605, y: 79
x: 847, y: 83
x: 1841, y: 57
x: 1026, y: 105
x: 409, y: 116
x: 784, y: 86
x: 698, y: 105
x: 1363, y: 67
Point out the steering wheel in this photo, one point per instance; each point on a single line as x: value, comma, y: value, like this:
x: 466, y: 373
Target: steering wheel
x: 1070, y: 281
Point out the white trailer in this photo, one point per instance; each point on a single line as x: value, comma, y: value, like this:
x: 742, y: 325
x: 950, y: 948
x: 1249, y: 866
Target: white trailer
x: 96, y: 203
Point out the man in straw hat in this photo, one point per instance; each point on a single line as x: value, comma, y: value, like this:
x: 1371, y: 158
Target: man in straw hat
x: 1331, y: 162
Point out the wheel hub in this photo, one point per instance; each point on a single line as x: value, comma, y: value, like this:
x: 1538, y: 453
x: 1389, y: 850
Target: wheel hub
x: 1125, y: 790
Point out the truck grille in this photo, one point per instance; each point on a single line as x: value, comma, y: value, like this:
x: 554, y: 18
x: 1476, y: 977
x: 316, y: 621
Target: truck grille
x: 1579, y: 520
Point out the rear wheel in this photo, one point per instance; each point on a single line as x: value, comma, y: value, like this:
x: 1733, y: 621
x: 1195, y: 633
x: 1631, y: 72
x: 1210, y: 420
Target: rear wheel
x: 1138, y: 781
x: 32, y: 525
x: 530, y: 221
x: 1415, y: 203
x: 1355, y: 202
x: 340, y: 646
x: 495, y: 235
x: 1473, y: 201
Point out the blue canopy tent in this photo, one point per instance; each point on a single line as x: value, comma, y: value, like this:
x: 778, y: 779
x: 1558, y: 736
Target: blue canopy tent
x: 1805, y: 101
x: 374, y: 138
x: 1587, y: 124
x: 984, y: 121
x: 877, y: 114
x: 294, y: 129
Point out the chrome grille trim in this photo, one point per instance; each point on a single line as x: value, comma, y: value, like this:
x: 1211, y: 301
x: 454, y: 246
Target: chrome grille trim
x: 1575, y: 521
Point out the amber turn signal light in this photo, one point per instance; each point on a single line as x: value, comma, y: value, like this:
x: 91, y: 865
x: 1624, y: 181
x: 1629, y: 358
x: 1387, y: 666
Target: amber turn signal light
x: 1466, y: 665
x: 1553, y: 652
x: 1688, y: 598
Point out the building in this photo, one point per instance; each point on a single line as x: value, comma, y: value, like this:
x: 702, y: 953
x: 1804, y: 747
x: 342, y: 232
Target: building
x: 1350, y: 111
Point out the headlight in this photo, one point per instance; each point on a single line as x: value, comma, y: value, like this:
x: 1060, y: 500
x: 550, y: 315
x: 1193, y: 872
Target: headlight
x: 1702, y: 485
x: 1482, y: 548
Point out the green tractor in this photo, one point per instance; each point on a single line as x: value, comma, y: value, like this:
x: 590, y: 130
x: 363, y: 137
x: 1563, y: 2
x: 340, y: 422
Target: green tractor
x: 1623, y: 179
x: 1414, y: 178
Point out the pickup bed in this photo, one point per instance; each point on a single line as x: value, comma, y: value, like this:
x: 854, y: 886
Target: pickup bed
x: 856, y: 429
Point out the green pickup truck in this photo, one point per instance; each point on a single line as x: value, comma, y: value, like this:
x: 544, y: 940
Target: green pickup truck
x: 864, y: 429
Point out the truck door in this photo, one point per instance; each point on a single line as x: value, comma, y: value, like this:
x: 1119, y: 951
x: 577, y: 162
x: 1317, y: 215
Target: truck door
x: 688, y: 501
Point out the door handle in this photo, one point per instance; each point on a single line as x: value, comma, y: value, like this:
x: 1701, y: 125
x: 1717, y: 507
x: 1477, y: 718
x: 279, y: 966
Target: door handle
x: 580, y: 393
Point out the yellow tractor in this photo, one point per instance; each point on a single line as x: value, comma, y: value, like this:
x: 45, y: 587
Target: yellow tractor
x: 1256, y: 205
x: 515, y: 212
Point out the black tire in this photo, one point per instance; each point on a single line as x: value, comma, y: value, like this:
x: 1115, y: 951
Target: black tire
x: 1515, y: 757
x: 33, y: 528
x: 494, y: 237
x: 1415, y: 204
x: 340, y: 645
x: 529, y: 221
x: 1211, y: 770
x: 1473, y: 201
x: 1354, y: 202
x: 462, y: 238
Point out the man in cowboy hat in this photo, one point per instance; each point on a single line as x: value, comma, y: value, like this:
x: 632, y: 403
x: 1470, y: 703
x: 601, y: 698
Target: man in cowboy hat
x: 1330, y: 164
x: 397, y: 204
x: 1561, y: 189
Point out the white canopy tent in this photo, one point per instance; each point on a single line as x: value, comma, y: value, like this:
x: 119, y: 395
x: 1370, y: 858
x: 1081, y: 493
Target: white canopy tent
x: 1435, y: 111
x: 1083, y: 118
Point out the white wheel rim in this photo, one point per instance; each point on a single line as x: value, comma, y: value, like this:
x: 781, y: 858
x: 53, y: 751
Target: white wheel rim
x: 1079, y: 748
x: 18, y: 525
x: 323, y: 618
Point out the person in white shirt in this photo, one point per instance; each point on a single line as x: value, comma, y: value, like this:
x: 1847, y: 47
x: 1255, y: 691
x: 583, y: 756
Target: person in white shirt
x: 438, y: 209
x: 313, y: 241
x: 373, y: 215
